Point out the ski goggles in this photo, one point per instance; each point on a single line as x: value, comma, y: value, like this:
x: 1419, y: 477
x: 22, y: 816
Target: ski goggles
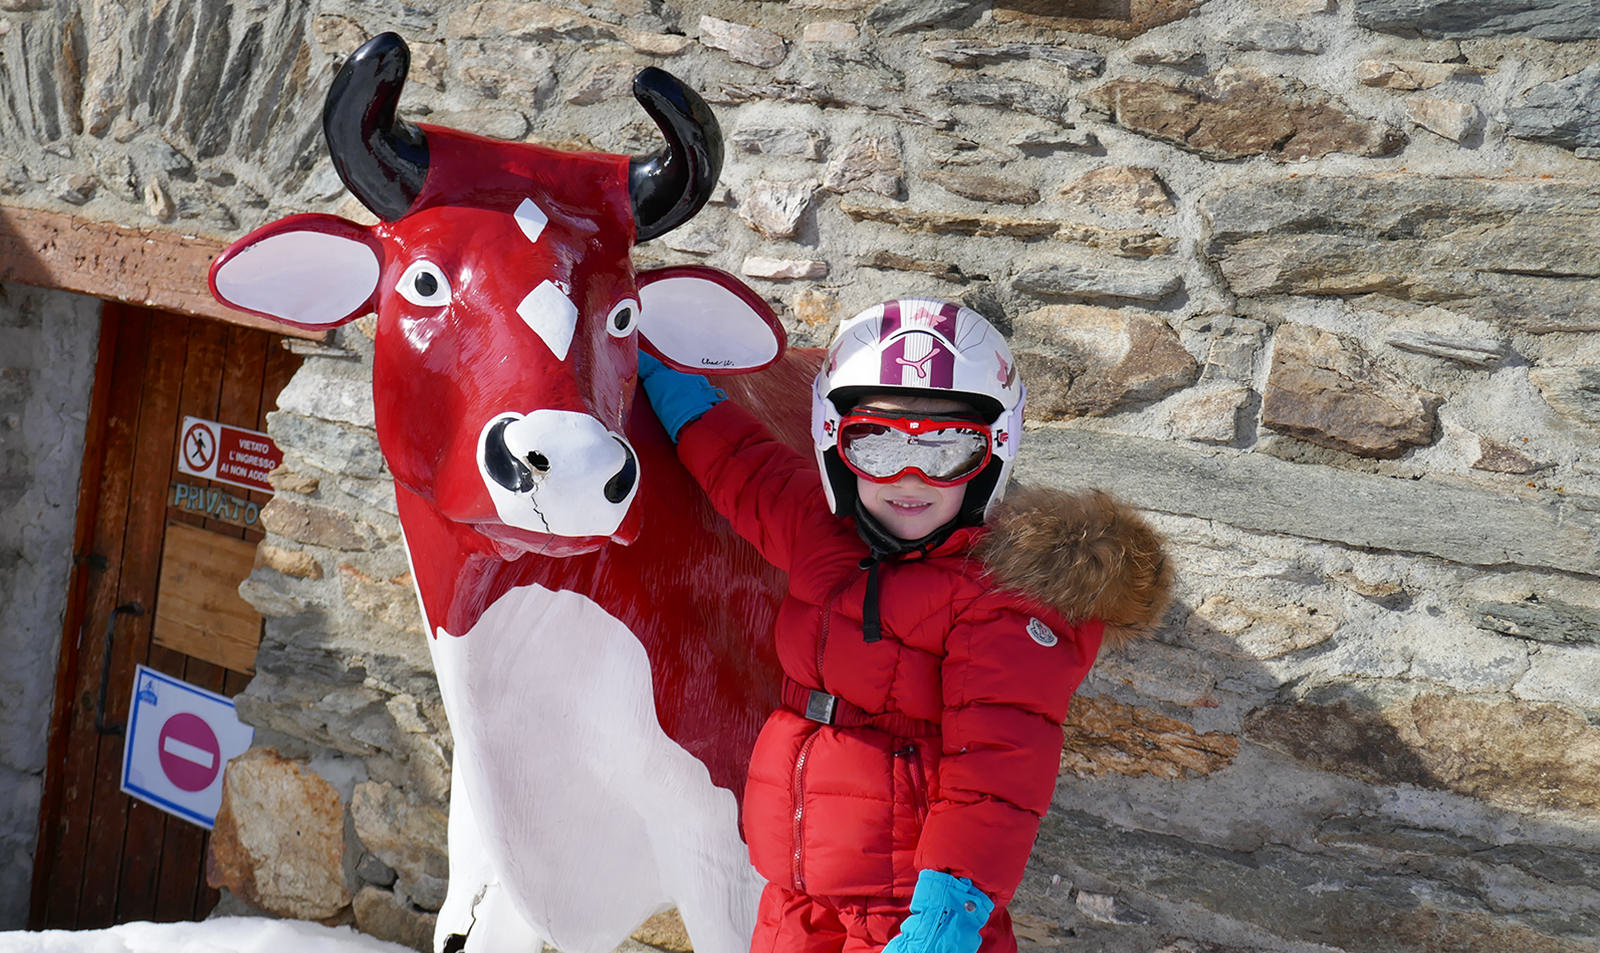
x: 944, y: 451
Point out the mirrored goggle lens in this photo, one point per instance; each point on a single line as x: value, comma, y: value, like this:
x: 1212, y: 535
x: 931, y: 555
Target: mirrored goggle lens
x: 880, y: 451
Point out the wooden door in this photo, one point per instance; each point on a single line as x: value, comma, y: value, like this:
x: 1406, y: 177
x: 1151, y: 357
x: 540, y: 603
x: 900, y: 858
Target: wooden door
x: 103, y: 857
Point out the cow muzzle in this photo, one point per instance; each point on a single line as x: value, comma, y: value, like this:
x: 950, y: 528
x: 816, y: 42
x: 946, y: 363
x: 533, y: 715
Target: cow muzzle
x: 557, y: 472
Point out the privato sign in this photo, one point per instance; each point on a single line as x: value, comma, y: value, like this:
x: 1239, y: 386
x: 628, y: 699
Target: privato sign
x: 227, y: 454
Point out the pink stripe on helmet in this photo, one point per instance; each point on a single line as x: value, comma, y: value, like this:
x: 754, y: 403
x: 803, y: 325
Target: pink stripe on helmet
x: 918, y: 360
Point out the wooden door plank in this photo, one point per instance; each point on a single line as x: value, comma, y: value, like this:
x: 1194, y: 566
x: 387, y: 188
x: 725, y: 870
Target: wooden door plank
x: 49, y: 847
x: 141, y: 877
x: 152, y: 470
x: 64, y: 884
x: 238, y: 358
x: 177, y: 869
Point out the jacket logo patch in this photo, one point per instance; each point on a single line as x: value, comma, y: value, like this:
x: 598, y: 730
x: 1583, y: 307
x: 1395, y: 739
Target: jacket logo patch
x: 1041, y: 633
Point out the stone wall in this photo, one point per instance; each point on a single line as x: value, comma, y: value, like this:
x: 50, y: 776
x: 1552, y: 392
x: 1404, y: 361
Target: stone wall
x: 47, y: 354
x: 1311, y: 281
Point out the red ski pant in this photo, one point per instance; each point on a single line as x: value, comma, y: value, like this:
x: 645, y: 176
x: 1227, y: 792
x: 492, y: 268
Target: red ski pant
x: 790, y: 922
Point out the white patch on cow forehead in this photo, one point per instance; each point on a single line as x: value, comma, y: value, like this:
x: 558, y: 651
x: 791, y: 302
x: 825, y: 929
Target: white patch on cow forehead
x: 551, y: 315
x: 531, y: 219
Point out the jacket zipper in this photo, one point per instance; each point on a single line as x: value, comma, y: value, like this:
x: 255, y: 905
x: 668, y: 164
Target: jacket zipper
x: 827, y: 619
x: 919, y: 780
x: 800, y: 811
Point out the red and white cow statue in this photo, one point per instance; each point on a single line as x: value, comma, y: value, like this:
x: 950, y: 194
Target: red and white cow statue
x: 600, y: 637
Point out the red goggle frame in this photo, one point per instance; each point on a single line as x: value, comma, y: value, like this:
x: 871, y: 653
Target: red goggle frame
x: 943, y: 450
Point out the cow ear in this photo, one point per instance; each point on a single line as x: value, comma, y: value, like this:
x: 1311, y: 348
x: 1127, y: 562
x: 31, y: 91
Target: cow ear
x: 311, y: 271
x: 707, y: 321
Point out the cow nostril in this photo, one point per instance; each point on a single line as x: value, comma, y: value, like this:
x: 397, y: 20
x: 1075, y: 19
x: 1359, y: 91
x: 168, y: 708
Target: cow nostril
x: 539, y: 461
x: 621, y: 482
x: 504, y: 468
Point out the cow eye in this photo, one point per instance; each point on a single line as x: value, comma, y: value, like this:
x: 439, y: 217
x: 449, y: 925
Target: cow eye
x: 624, y: 317
x: 424, y: 284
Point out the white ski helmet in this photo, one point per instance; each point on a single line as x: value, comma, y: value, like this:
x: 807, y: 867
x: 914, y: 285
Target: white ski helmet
x: 926, y: 347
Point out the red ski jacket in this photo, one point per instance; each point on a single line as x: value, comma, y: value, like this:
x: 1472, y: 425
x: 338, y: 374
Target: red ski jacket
x: 943, y: 742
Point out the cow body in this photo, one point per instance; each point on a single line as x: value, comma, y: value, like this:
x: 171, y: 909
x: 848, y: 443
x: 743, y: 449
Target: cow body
x: 602, y: 639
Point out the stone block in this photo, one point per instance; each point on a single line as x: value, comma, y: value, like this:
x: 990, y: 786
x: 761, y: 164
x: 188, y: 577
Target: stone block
x: 1103, y: 736
x: 1007, y: 94
x: 1541, y: 620
x: 1094, y: 279
x: 1460, y: 19
x: 742, y: 43
x: 803, y: 142
x: 1121, y: 189
x: 392, y: 601
x: 1565, y: 113
x: 290, y: 562
x: 1495, y: 457
x: 1412, y: 74
x: 665, y: 931
x: 1514, y: 253
x: 782, y: 269
x: 1210, y: 416
x: 316, y: 524
x: 1436, y: 517
x: 1573, y: 391
x: 1238, y: 113
x: 1121, y: 19
x: 1284, y: 898
x: 407, y: 836
x: 379, y: 913
x: 279, y: 838
x: 869, y: 163
x: 775, y: 208
x: 1515, y: 755
x: 1089, y: 361
x: 1448, y: 118
x: 1325, y: 390
x: 894, y: 17
x: 981, y: 187
x: 1079, y: 64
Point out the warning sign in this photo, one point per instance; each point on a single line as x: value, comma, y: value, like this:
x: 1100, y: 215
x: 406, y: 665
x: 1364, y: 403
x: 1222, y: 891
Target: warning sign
x: 180, y: 737
x: 227, y: 454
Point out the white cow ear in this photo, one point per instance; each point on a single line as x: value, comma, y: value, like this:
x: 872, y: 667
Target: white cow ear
x: 311, y: 271
x: 707, y: 321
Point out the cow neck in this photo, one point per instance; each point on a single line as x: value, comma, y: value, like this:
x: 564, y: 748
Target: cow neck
x: 883, y: 546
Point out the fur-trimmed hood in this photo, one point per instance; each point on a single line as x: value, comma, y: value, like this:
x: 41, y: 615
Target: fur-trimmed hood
x: 1085, y: 553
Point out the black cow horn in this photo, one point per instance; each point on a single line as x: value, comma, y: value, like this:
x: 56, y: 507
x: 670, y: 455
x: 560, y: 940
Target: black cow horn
x: 382, y: 160
x: 671, y: 185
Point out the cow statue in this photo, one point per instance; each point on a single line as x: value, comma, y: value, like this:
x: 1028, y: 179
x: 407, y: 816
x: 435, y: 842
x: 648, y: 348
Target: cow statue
x: 600, y: 637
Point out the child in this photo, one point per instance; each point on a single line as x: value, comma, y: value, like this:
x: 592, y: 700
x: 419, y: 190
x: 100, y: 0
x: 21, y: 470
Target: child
x: 931, y: 637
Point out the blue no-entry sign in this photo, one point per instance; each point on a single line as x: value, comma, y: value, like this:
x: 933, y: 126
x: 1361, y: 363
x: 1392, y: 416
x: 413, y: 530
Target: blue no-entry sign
x: 180, y: 737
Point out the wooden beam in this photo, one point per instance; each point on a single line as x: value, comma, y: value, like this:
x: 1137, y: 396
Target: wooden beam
x: 153, y: 268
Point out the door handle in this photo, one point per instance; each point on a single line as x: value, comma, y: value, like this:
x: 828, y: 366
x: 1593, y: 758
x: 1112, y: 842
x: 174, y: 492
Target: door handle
x: 100, y: 723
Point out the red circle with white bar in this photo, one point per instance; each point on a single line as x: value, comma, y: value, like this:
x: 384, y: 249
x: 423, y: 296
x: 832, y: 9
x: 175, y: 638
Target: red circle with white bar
x: 190, y: 756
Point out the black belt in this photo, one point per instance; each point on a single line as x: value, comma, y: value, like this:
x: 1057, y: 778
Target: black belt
x: 828, y: 709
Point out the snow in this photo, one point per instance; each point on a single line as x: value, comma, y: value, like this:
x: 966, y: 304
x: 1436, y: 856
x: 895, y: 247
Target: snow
x: 222, y: 935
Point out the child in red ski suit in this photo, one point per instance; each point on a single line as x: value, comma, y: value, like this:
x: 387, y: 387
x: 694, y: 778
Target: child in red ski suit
x: 931, y: 637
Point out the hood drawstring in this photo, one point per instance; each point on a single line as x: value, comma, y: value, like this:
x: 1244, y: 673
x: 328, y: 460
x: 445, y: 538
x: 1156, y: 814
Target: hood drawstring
x: 871, y: 624
x: 882, y: 545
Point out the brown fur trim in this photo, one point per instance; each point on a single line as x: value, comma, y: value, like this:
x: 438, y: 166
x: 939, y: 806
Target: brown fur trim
x: 1084, y: 553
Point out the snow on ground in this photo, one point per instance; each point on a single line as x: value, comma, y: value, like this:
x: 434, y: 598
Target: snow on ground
x: 222, y: 935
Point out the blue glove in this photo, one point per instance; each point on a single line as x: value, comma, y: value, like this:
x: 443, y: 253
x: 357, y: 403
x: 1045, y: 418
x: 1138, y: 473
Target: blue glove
x: 677, y: 398
x: 946, y: 914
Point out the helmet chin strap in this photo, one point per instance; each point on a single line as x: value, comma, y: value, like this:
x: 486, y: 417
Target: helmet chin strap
x: 884, y: 544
